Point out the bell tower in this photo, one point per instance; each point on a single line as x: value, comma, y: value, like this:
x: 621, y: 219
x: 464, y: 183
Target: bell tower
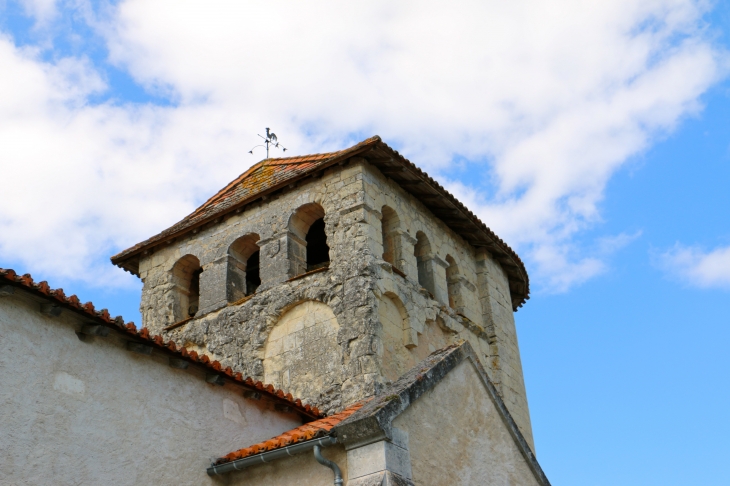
x: 330, y: 275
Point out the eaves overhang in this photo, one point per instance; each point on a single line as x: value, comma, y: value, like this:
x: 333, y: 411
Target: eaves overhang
x: 273, y: 175
x: 57, y: 300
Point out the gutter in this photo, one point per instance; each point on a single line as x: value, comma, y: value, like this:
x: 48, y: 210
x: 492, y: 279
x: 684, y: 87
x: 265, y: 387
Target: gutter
x: 326, y: 462
x: 269, y: 456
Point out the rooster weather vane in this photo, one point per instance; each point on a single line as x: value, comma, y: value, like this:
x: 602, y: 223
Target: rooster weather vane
x: 269, y: 139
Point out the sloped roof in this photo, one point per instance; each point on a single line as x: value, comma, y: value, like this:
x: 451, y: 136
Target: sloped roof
x: 308, y: 431
x: 376, y: 416
x: 58, y: 297
x: 272, y: 175
x: 372, y: 419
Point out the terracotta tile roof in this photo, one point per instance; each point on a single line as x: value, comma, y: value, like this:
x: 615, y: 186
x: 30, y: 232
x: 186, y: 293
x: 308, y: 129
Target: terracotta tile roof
x: 311, y: 430
x: 256, y: 181
x: 271, y: 175
x: 102, y: 317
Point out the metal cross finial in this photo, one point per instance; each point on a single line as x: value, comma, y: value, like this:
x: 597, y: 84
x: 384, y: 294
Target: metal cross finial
x: 269, y: 139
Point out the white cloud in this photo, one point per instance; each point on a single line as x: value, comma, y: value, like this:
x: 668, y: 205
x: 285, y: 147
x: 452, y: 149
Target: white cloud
x: 43, y: 10
x: 556, y: 96
x: 697, y: 267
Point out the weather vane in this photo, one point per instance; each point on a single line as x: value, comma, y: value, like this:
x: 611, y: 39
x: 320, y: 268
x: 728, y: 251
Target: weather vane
x: 269, y: 139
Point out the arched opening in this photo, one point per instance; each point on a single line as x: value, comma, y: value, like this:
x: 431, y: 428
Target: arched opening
x: 242, y: 277
x: 453, y: 284
x: 391, y: 237
x: 424, y: 260
x: 186, y: 291
x: 318, y: 252
x: 253, y: 277
x: 307, y: 241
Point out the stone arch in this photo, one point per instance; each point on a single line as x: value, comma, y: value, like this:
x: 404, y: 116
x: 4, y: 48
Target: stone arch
x: 301, y: 354
x: 399, y: 350
x: 392, y: 246
x: 424, y: 260
x: 185, y: 278
x: 454, y: 285
x: 307, y: 240
x: 242, y: 272
x: 393, y: 320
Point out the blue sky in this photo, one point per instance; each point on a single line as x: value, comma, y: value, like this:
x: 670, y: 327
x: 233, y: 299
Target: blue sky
x: 627, y: 373
x: 593, y: 138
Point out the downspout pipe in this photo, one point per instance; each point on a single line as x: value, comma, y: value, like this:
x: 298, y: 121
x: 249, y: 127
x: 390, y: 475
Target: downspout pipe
x: 326, y: 462
x: 269, y: 456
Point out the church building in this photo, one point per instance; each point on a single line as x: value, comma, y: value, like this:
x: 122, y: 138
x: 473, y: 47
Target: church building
x: 336, y: 318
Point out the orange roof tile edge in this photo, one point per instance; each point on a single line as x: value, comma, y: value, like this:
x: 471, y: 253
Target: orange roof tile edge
x: 9, y: 276
x: 311, y: 430
x: 216, y: 207
x: 181, y: 226
x: 298, y: 159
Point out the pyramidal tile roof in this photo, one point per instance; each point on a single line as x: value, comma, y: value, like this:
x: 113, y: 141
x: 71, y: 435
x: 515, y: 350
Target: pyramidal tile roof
x: 271, y: 175
x: 102, y: 317
x: 255, y: 182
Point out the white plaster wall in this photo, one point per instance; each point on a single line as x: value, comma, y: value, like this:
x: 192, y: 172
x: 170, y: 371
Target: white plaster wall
x: 74, y: 412
x: 456, y: 436
x: 302, y: 469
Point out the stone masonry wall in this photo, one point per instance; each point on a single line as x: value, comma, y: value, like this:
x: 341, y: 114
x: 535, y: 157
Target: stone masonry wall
x: 355, y: 287
x: 485, y: 319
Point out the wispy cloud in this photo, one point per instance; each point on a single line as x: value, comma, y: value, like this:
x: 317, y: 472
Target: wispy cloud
x: 42, y: 10
x: 553, y: 97
x: 706, y: 269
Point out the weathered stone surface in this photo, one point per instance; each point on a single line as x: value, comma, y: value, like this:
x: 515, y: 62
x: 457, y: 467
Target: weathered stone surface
x: 449, y: 424
x: 392, y: 304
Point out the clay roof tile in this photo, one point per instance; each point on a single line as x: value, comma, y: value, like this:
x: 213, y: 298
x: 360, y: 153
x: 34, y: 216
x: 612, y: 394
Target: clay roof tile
x: 72, y: 303
x: 271, y: 175
x: 308, y: 431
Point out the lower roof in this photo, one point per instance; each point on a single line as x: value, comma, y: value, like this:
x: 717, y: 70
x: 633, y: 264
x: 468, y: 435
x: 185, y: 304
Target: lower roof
x: 10, y: 280
x: 373, y: 417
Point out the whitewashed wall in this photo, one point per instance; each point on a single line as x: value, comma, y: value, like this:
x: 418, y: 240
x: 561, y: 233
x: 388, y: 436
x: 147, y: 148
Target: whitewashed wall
x: 74, y: 412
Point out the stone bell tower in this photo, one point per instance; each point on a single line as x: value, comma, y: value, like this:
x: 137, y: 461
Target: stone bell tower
x: 330, y: 275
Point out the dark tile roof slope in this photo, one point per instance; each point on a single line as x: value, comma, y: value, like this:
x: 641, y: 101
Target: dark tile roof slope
x: 308, y: 431
x: 102, y: 317
x: 271, y: 175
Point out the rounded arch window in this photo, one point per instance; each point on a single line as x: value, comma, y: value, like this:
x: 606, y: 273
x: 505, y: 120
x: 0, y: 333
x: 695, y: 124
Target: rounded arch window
x: 308, y: 247
x: 424, y: 260
x: 186, y: 287
x: 453, y: 285
x: 390, y: 225
x: 243, y: 274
